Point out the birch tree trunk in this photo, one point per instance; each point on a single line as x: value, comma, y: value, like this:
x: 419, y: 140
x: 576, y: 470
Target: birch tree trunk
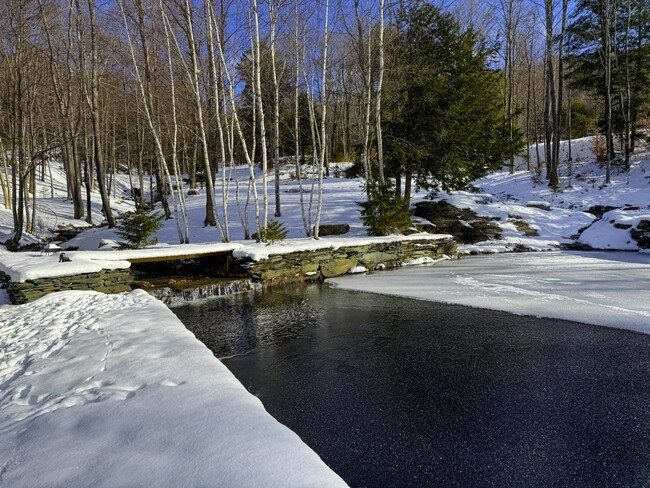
x: 93, y: 102
x: 210, y: 208
x: 549, y: 106
x: 257, y: 64
x: 323, y: 136
x: 380, y: 143
x: 212, y: 24
x: 296, y: 121
x: 274, y: 7
x: 238, y: 128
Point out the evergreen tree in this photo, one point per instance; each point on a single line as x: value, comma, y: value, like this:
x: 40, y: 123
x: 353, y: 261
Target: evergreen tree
x: 446, y: 121
x: 136, y: 228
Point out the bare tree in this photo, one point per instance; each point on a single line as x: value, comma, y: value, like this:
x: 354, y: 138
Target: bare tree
x: 380, y: 144
x: 322, y: 160
x: 92, y: 98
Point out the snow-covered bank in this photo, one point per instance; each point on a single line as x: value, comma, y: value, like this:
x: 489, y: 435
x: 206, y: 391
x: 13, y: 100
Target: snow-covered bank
x: 601, y: 288
x: 112, y: 390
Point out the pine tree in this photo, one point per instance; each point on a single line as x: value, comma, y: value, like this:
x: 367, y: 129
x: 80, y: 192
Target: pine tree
x: 136, y: 228
x: 447, y: 120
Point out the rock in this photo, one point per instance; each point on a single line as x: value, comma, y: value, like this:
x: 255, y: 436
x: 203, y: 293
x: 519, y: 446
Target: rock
x: 358, y: 270
x: 333, y: 229
x: 643, y: 225
x: 67, y: 232
x: 337, y: 267
x: 310, y: 268
x: 618, y: 225
x: 641, y: 234
x: 464, y: 224
x: 600, y: 210
x: 539, y: 204
x: 375, y: 258
x: 110, y: 243
x: 523, y: 226
x: 193, y: 192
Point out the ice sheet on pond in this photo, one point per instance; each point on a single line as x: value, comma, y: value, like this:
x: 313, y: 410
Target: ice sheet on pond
x: 601, y: 288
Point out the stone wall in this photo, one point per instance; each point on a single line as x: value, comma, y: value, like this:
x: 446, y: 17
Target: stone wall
x: 106, y: 281
x: 303, y: 266
x: 293, y: 267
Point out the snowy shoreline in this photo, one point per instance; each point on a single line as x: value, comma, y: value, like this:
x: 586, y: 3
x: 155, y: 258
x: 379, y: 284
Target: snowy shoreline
x: 112, y: 390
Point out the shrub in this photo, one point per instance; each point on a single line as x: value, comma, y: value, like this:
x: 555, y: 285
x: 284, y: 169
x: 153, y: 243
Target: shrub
x: 274, y: 231
x: 600, y: 148
x: 385, y: 213
x: 137, y: 227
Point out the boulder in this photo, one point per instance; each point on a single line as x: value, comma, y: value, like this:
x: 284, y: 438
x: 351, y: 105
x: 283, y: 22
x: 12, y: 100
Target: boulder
x: 464, y: 224
x: 373, y: 258
x: 337, y: 267
x: 522, y: 226
x: 600, y: 210
x: 641, y: 234
x: 333, y: 229
x: 539, y: 204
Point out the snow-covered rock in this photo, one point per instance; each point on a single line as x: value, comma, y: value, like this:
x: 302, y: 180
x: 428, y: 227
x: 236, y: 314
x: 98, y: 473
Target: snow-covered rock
x: 358, y: 270
x: 539, y: 204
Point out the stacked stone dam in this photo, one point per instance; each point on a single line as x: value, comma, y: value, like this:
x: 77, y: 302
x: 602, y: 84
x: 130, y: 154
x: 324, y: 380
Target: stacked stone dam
x: 302, y: 266
x: 106, y: 281
x: 278, y: 269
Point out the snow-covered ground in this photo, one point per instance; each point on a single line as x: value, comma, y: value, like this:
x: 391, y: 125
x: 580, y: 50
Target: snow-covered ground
x: 499, y: 195
x: 99, y: 390
x: 102, y: 390
x: 502, y: 194
x: 601, y: 288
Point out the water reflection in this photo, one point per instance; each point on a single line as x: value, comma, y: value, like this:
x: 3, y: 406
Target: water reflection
x: 240, y: 323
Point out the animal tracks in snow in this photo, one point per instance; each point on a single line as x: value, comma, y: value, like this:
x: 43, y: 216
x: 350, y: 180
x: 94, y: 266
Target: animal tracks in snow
x: 44, y: 338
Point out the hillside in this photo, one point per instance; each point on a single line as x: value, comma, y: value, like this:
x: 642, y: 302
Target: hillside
x: 584, y: 213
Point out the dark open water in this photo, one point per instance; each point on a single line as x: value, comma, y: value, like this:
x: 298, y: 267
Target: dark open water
x: 393, y: 392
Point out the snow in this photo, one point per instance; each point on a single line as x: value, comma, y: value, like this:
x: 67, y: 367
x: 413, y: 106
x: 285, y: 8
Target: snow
x: 603, y: 235
x: 600, y: 288
x: 109, y: 391
x: 260, y: 251
x: 25, y: 266
x: 160, y: 251
x: 500, y: 195
x: 103, y: 390
x: 358, y: 270
x: 422, y: 261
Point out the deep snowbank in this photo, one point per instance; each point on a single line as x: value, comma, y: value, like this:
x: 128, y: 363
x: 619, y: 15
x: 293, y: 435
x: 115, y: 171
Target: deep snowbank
x: 112, y: 390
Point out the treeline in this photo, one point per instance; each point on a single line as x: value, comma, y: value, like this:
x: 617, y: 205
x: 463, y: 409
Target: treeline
x: 410, y: 91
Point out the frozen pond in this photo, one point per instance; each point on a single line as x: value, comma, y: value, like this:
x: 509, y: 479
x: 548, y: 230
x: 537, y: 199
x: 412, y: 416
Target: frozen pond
x: 603, y: 288
x: 398, y: 392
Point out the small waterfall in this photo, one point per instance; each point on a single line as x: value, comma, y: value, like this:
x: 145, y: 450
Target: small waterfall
x: 176, y: 297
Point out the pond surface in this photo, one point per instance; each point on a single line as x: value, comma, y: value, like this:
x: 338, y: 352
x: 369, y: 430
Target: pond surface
x: 394, y: 392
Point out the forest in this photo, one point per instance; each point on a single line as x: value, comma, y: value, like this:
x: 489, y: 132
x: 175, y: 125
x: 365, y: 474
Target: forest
x: 413, y: 92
